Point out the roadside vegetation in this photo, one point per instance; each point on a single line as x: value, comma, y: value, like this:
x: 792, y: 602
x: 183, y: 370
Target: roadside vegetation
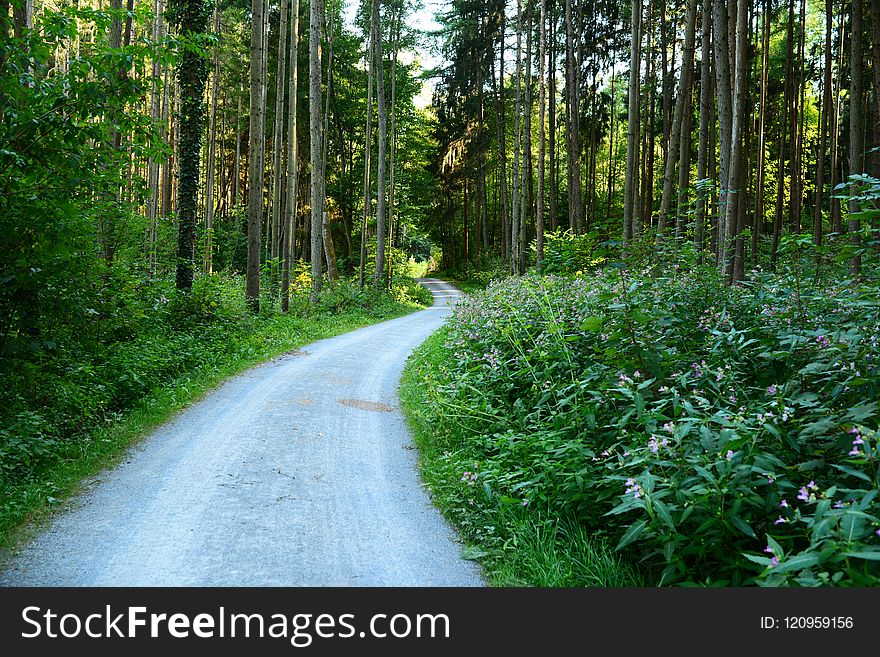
x: 652, y: 419
x: 139, y: 356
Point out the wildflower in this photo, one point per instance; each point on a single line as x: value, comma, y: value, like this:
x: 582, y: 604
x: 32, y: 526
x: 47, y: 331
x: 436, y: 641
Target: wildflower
x: 768, y: 550
x: 653, y: 444
x: 525, y: 503
x: 779, y: 520
x: 637, y: 375
x: 664, y: 442
x: 854, y: 452
x: 771, y: 390
x: 804, y: 494
x: 838, y: 504
x: 784, y: 504
x: 729, y: 454
x: 774, y: 561
x: 669, y: 426
x: 812, y: 485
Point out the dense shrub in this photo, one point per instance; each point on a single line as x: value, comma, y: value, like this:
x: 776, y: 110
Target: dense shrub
x: 720, y: 435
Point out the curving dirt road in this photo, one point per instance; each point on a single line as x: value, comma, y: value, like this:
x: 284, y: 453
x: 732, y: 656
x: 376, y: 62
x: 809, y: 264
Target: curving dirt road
x: 299, y: 472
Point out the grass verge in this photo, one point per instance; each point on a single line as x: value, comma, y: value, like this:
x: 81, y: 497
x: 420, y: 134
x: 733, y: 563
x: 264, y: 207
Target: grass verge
x: 516, y: 545
x: 24, y: 503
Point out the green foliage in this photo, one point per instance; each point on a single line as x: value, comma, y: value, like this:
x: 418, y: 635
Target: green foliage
x: 682, y: 419
x: 567, y: 253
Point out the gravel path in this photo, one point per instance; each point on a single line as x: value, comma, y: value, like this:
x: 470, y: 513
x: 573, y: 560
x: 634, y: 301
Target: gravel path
x: 299, y: 472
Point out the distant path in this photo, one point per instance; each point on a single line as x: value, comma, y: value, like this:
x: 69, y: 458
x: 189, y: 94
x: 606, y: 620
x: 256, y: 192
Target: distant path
x: 299, y: 472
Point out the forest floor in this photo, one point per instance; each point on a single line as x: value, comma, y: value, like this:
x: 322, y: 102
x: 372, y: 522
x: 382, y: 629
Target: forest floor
x: 298, y: 472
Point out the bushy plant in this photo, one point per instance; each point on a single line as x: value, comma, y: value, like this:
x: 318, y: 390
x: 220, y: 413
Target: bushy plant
x: 720, y: 435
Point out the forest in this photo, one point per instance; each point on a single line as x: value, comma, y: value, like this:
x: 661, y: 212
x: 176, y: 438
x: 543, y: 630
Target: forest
x: 665, y: 215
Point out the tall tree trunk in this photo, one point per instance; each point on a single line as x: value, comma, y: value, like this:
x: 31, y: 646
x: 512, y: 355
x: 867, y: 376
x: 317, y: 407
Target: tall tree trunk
x: 827, y: 111
x: 856, y: 128
x: 381, y: 194
x: 787, y: 123
x: 528, y: 192
x: 275, y: 200
x: 572, y: 123
x: 551, y: 145
x: 758, y: 223
x: 542, y: 130
x: 368, y: 151
x: 326, y: 235
x: 517, y: 142
x: 255, y: 156
x: 680, y: 126
x: 236, y: 167
x: 836, y: 214
x: 316, y: 19
x: 212, y: 150
x: 797, y: 124
x: 292, y: 181
x: 192, y: 73
x: 737, y: 152
x: 153, y: 163
x: 500, y: 132
x: 630, y: 191
x: 395, y: 35
x: 724, y: 91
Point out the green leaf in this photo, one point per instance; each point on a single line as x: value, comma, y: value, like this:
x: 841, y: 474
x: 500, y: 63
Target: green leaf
x: 663, y: 511
x: 632, y: 533
x: 873, y: 555
x: 592, y: 323
x: 797, y: 562
x: 742, y: 525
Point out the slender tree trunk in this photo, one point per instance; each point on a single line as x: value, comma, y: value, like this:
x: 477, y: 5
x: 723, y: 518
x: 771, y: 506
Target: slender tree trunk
x: 153, y: 164
x: 856, y: 128
x: 212, y: 150
x: 326, y: 235
x: 758, y: 222
x: 827, y: 110
x: 528, y: 193
x: 502, y: 148
x: 275, y: 200
x: 611, y: 153
x: 554, y: 187
x: 836, y: 214
x: 255, y: 156
x: 681, y: 129
x: 517, y: 141
x: 368, y: 151
x: 572, y: 124
x: 292, y: 181
x: 395, y: 35
x: 737, y: 152
x: 724, y: 91
x: 630, y: 191
x: 383, y: 147
x: 236, y: 172
x: 542, y: 128
x: 316, y: 19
